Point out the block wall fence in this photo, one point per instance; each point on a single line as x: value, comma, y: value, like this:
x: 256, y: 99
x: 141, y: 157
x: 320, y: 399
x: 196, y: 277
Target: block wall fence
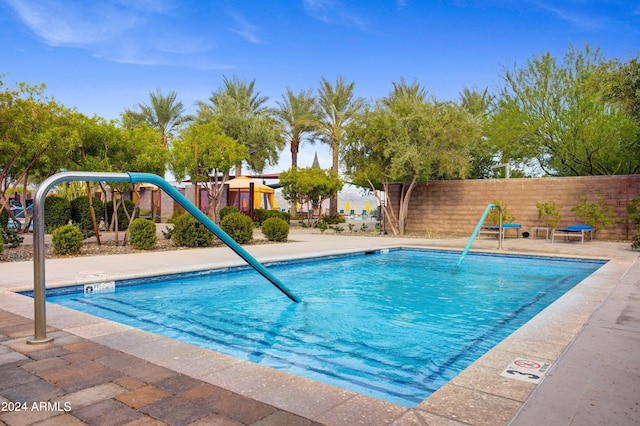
x: 454, y: 207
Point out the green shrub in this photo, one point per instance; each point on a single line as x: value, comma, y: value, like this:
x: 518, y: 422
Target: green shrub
x: 11, y: 237
x: 275, y: 229
x: 81, y: 214
x: 57, y: 213
x: 598, y: 215
x: 493, y: 218
x: 142, y: 234
x: 238, y: 226
x: 262, y: 214
x: 188, y: 232
x: 4, y: 219
x: 549, y: 214
x: 226, y: 210
x: 635, y: 241
x: 67, y: 240
x: 123, y: 220
x: 333, y: 220
x: 633, y: 208
x: 1, y: 244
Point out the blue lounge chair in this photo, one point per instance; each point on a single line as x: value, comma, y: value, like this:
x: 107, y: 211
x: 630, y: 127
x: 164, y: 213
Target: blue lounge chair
x: 495, y: 229
x: 573, y: 231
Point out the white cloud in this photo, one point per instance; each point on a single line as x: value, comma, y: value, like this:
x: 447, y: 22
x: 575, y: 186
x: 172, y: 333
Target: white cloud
x: 244, y: 28
x: 334, y: 12
x: 121, y: 31
x: 61, y: 23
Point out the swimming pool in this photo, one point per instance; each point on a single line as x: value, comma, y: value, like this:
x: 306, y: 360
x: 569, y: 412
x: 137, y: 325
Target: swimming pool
x: 395, y: 325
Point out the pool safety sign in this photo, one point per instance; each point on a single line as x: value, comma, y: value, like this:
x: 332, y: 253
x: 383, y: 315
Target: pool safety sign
x: 526, y: 370
x: 105, y: 287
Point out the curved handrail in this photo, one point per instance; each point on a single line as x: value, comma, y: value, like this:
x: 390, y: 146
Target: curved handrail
x: 39, y: 285
x: 479, y: 226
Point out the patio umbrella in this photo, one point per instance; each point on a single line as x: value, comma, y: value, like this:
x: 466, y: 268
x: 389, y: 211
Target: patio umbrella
x: 367, y: 207
x: 347, y: 207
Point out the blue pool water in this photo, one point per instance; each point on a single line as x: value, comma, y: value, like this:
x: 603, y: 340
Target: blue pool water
x: 395, y: 325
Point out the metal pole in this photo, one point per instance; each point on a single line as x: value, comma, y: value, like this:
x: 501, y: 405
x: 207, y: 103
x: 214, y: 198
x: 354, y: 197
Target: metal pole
x: 500, y: 235
x: 39, y: 284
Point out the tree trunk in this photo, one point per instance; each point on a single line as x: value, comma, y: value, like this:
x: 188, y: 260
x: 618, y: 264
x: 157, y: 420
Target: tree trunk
x: 333, y: 202
x: 132, y: 217
x: 295, y: 148
x: 93, y: 214
x: 404, y: 203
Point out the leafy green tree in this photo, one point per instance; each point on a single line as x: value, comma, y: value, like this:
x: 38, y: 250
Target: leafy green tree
x: 408, y: 139
x: 242, y: 115
x: 297, y: 113
x: 338, y: 107
x: 203, y: 153
x: 310, y: 186
x: 31, y: 127
x: 549, y: 116
x: 163, y: 113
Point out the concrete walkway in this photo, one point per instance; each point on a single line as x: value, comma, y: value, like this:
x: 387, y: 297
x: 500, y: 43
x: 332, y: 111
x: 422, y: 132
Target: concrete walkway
x: 111, y: 374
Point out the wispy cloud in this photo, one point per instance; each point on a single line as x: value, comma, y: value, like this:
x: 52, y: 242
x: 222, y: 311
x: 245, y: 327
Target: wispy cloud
x: 335, y: 13
x: 118, y: 30
x: 244, y: 28
x: 569, y: 12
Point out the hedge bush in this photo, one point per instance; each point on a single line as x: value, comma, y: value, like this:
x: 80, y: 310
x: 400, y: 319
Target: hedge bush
x: 238, y: 226
x: 226, y: 210
x: 57, y: 213
x: 275, y: 229
x: 81, y: 214
x: 67, y: 240
x: 188, y: 232
x: 262, y: 214
x: 142, y: 234
x: 1, y: 244
x: 123, y: 220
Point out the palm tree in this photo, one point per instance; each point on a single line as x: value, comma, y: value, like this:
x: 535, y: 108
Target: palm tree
x: 242, y: 115
x: 405, y: 92
x: 298, y: 115
x: 479, y: 104
x: 337, y: 108
x: 163, y: 114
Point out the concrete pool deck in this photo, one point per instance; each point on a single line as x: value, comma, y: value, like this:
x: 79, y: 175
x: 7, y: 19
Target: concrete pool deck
x: 113, y: 374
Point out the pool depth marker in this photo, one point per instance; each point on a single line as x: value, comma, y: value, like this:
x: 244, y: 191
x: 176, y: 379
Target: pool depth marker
x: 39, y: 285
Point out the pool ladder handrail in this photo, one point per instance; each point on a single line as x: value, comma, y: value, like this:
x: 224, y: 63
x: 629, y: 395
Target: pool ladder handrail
x: 39, y: 285
x: 479, y: 226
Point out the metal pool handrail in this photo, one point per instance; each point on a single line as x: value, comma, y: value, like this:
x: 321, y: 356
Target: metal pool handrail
x: 477, y: 229
x: 39, y: 285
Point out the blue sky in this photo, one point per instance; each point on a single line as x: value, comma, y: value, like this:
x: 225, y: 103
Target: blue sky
x: 103, y: 56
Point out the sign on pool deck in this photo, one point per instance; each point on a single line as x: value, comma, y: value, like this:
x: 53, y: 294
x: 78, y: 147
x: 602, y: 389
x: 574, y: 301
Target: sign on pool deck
x: 106, y: 287
x: 526, y: 370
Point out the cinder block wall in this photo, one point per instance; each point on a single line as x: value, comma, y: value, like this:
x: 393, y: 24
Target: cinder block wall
x: 456, y: 206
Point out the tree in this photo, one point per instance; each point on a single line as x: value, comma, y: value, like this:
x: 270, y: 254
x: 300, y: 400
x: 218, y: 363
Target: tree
x: 242, y: 115
x: 31, y: 125
x: 310, y: 186
x: 203, y: 152
x: 478, y: 104
x: 549, y: 116
x: 163, y: 113
x: 297, y: 113
x: 337, y: 108
x: 406, y: 139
